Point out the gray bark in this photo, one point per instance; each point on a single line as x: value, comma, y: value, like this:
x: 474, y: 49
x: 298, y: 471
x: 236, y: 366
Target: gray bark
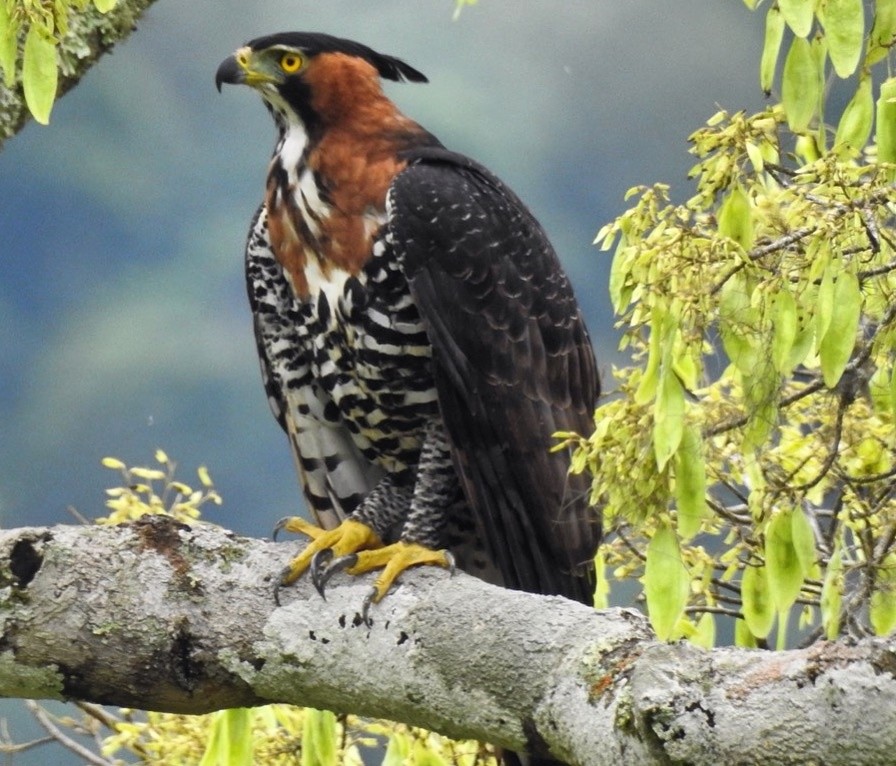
x: 158, y: 615
x: 89, y: 36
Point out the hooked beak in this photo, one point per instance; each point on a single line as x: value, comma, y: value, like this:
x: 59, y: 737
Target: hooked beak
x: 231, y: 71
x: 246, y: 67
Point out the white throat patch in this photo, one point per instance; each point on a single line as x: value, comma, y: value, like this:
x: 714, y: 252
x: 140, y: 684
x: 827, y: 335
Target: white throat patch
x: 292, y: 147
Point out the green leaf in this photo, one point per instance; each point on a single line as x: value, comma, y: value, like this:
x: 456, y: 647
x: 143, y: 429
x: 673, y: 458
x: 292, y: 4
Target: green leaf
x: 798, y: 14
x: 459, y: 6
x: 820, y: 57
x: 883, y: 31
x: 832, y: 596
x: 668, y: 417
x: 771, y: 48
x: 882, y: 609
x: 736, y: 218
x: 844, y: 30
x: 801, y: 85
x: 319, y: 742
x: 620, y: 270
x: 705, y: 633
x: 743, y: 636
x: 9, y: 32
x: 601, y: 583
x: 880, y: 391
x: 690, y: 483
x: 762, y: 420
x: 893, y: 390
x: 781, y: 638
x: 782, y: 563
x: 39, y: 73
x: 886, y: 121
x: 688, y: 365
x: 426, y: 756
x: 104, y: 6
x: 755, y: 155
x: 398, y: 750
x: 784, y: 328
x: 824, y: 305
x: 803, y: 537
x: 756, y: 602
x: 762, y: 389
x: 854, y: 129
x: 840, y: 339
x: 666, y: 582
x: 806, y: 148
x: 737, y: 315
x: 650, y: 377
x: 230, y: 739
x: 668, y: 407
x: 802, y: 344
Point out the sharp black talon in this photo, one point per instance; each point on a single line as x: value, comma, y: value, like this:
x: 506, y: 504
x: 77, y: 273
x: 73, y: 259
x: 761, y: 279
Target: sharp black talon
x: 278, y: 527
x: 318, y: 568
x: 320, y: 576
x: 365, y: 608
x: 452, y: 563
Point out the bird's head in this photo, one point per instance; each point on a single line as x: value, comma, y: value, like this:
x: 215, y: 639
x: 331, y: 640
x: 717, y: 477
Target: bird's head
x: 309, y: 76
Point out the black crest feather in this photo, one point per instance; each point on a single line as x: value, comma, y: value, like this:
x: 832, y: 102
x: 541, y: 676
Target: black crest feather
x: 313, y: 43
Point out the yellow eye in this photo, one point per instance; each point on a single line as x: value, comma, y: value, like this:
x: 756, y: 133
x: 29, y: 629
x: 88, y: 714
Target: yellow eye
x: 290, y: 62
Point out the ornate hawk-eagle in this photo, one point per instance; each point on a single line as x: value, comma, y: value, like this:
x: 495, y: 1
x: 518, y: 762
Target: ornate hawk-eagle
x: 419, y: 341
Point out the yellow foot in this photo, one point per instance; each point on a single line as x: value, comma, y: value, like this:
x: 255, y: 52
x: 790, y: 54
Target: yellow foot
x: 393, y: 560
x: 348, y: 538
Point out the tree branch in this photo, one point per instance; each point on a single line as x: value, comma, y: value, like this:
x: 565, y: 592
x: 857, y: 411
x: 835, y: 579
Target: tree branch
x: 158, y: 615
x: 90, y: 35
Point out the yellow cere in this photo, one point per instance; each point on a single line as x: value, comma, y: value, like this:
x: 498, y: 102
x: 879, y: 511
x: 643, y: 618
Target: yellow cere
x: 243, y: 57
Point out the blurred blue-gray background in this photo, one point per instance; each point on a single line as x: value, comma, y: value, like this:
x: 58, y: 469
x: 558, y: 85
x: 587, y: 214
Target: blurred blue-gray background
x: 123, y: 321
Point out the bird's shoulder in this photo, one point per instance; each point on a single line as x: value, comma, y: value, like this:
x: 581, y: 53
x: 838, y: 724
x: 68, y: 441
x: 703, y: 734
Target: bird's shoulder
x: 459, y: 229
x: 436, y: 179
x: 449, y: 212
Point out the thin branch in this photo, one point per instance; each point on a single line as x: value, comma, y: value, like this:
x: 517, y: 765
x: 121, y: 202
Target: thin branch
x: 729, y: 513
x: 11, y: 748
x: 871, y: 228
x: 833, y: 452
x: 633, y: 549
x: 782, y: 243
x: 62, y: 738
x: 735, y: 613
x: 100, y: 714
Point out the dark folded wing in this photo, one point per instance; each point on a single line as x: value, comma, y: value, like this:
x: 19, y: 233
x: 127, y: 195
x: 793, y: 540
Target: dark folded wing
x: 512, y: 362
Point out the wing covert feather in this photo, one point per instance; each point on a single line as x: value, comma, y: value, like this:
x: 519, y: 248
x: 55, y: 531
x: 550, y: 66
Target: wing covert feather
x: 512, y: 361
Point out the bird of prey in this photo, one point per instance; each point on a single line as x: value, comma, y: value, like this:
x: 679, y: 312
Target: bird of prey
x: 420, y: 343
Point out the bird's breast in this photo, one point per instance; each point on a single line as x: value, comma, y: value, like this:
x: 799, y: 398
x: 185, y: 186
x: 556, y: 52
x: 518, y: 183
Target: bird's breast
x: 326, y: 203
x: 318, y: 244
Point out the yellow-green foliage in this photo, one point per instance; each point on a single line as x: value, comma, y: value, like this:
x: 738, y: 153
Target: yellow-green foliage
x: 751, y: 448
x: 155, y: 490
x: 459, y: 6
x: 275, y: 735
x: 29, y: 33
x: 281, y: 735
